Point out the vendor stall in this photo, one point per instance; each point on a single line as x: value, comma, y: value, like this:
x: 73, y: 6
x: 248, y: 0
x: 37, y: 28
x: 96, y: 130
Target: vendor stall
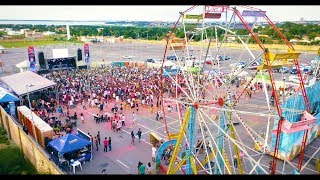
x: 8, y: 101
x: 70, y: 148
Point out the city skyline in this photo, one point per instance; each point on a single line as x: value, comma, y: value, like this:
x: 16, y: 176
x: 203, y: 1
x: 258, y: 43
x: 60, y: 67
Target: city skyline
x: 139, y: 13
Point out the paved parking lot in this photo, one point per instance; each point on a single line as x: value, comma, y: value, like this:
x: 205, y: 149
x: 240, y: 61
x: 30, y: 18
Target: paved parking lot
x: 124, y: 157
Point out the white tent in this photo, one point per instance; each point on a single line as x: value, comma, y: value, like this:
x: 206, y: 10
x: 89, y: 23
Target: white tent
x: 18, y: 82
x: 23, y: 66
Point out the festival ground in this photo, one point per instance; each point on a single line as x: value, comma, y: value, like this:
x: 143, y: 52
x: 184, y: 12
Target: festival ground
x: 124, y: 157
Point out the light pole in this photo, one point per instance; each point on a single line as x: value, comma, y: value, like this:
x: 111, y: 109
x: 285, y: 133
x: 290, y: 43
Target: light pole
x: 33, y: 125
x: 284, y: 89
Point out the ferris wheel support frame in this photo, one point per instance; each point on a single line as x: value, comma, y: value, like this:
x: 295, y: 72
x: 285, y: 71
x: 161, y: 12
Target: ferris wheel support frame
x: 278, y: 132
x: 272, y: 84
x: 303, y: 89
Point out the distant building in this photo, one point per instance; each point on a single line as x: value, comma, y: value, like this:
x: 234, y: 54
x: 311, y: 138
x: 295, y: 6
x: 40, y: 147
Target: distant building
x: 231, y: 39
x: 305, y: 37
x: 110, y: 39
x: 38, y: 35
x: 99, y: 29
x: 48, y: 33
x: 24, y: 30
x: 60, y: 29
x: 33, y: 34
x: 14, y: 33
x: 28, y: 34
x: 294, y: 40
x: 303, y: 41
x: 317, y: 38
x: 301, y: 20
x: 92, y: 39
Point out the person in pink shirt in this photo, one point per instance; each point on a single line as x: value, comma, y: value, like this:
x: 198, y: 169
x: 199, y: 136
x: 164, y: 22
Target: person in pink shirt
x: 105, y: 144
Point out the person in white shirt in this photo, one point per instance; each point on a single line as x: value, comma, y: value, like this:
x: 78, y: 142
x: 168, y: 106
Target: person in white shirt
x: 133, y: 117
x: 70, y: 104
x: 82, y: 118
x: 123, y: 120
x: 153, y: 155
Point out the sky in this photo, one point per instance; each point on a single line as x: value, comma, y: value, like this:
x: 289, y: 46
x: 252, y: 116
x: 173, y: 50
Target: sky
x: 133, y: 12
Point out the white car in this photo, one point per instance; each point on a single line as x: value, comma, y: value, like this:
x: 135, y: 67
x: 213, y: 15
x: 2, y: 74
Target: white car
x: 295, y: 79
x: 153, y: 60
x: 127, y: 57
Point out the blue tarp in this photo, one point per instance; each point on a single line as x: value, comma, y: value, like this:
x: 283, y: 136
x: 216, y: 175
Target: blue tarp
x: 6, y: 96
x: 69, y: 143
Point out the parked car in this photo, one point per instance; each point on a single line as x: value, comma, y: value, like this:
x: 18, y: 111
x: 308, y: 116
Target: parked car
x: 284, y: 70
x: 128, y: 57
x: 306, y: 69
x: 172, y: 57
x: 253, y: 66
x: 295, y: 79
x: 209, y: 61
x: 224, y: 58
x: 152, y: 60
x: 239, y: 65
x: 295, y: 71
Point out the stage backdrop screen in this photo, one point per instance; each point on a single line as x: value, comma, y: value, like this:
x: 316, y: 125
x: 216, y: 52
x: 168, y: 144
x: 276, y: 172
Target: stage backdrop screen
x: 62, y: 63
x: 60, y: 53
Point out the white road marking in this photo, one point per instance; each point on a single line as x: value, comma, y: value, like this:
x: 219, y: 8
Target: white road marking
x: 161, y: 124
x: 163, y: 127
x: 123, y: 164
x: 137, y: 137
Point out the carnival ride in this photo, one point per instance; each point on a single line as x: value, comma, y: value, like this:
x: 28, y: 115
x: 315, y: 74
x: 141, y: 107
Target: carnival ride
x: 222, y: 132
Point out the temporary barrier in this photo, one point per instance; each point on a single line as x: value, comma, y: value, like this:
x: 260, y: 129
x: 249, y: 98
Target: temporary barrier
x: 42, y: 129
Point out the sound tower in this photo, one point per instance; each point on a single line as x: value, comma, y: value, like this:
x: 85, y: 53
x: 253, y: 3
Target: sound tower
x: 79, y: 54
x: 42, y: 61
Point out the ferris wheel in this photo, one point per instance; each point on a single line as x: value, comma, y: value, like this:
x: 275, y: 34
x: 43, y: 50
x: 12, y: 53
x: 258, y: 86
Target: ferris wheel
x: 226, y: 123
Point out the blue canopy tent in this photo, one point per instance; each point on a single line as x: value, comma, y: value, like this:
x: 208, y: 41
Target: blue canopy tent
x: 71, y: 143
x: 6, y: 96
x: 8, y: 101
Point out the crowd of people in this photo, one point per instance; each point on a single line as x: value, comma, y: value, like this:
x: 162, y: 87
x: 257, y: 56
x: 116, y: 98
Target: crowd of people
x: 127, y: 89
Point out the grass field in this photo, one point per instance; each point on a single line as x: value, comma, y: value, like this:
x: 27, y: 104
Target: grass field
x: 11, y: 158
x: 25, y: 43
